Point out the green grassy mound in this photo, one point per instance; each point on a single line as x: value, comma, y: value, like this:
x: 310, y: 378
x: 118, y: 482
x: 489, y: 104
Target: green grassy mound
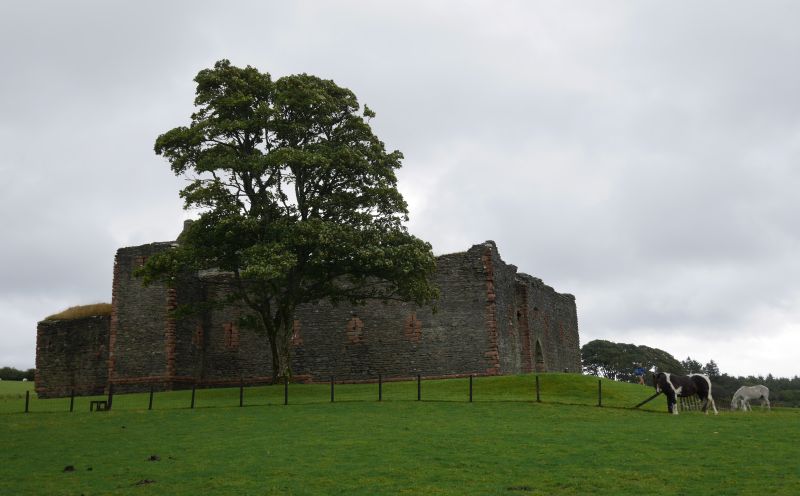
x: 82, y: 311
x: 553, y: 388
x: 503, y: 443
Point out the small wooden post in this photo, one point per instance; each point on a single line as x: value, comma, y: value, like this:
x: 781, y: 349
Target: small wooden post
x: 27, y: 400
x: 150, y: 403
x: 599, y: 392
x: 71, y: 400
x: 538, y: 399
x: 419, y: 387
x: 285, y: 390
x: 110, y: 396
x: 241, y: 393
x: 331, y: 389
x: 380, y: 387
x: 470, y: 388
x: 193, y: 389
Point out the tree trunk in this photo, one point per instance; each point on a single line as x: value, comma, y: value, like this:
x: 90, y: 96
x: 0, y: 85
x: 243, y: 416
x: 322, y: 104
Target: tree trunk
x: 279, y: 347
x: 273, y: 347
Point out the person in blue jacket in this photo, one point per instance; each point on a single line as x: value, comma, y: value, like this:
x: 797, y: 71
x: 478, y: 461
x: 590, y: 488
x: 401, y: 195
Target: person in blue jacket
x: 639, y: 373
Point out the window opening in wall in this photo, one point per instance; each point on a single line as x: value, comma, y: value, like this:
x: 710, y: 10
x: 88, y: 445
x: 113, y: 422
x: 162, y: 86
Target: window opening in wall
x: 100, y: 346
x: 231, y: 333
x: 412, y: 330
x: 297, y: 339
x: 355, y: 330
x: 197, y: 336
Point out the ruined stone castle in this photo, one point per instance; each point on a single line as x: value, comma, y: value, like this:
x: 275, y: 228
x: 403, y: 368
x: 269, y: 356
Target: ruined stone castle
x: 490, y: 320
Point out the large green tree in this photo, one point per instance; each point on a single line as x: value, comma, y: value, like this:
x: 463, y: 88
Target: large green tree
x: 618, y: 360
x: 297, y: 197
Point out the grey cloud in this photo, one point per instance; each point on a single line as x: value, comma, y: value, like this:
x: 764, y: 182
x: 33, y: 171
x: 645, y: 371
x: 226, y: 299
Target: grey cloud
x: 639, y: 155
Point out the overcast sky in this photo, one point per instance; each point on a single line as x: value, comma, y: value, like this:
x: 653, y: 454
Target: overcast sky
x: 642, y: 156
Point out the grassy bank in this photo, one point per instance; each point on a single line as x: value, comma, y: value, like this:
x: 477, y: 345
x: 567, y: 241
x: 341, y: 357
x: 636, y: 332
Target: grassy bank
x: 553, y: 388
x: 503, y: 443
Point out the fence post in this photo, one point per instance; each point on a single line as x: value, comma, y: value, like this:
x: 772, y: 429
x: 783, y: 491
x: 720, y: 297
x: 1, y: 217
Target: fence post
x: 241, y: 392
x: 470, y: 388
x: 599, y: 392
x: 380, y: 387
x: 193, y: 388
x: 331, y: 389
x: 419, y: 387
x: 110, y: 396
x: 285, y: 390
x: 538, y: 399
x: 71, y: 400
x: 150, y: 403
x: 27, y: 400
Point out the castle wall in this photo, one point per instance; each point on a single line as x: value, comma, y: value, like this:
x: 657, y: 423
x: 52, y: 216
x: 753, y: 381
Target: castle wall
x: 553, y: 323
x: 187, y: 340
x: 359, y: 342
x: 501, y: 277
x: 230, y: 351
x: 400, y: 339
x: 142, y: 338
x: 72, y: 355
x: 481, y: 326
x: 489, y: 320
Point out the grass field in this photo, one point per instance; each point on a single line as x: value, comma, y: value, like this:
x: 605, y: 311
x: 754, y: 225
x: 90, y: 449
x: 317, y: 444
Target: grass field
x: 503, y: 443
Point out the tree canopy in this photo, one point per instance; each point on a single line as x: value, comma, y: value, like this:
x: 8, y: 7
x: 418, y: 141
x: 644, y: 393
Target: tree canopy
x: 297, y: 197
x: 617, y: 361
x: 692, y: 366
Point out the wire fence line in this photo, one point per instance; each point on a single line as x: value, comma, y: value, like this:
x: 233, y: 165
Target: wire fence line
x: 472, y: 389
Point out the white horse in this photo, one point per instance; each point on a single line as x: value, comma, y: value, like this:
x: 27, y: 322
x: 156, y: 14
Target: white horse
x: 743, y: 395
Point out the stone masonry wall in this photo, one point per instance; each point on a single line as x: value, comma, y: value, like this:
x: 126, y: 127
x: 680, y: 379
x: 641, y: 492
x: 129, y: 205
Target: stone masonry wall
x: 400, y: 339
x: 186, y: 340
x: 142, y: 335
x: 230, y: 353
x: 508, y: 333
x: 489, y: 320
x: 553, y: 324
x: 72, y: 355
x: 359, y: 342
x: 481, y: 326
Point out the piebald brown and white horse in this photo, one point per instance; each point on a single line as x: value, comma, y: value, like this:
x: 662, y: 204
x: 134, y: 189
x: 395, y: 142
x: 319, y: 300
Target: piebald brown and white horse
x: 674, y: 386
x: 743, y: 395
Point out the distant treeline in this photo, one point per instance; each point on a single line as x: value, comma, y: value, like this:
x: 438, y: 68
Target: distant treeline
x: 12, y: 374
x: 618, y: 361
